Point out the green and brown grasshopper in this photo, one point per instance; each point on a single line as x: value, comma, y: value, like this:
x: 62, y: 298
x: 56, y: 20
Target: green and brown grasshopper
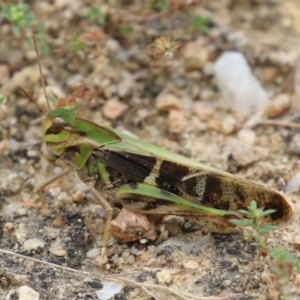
x: 151, y: 180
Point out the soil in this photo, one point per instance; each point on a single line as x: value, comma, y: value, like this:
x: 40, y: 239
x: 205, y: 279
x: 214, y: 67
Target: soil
x: 146, y: 69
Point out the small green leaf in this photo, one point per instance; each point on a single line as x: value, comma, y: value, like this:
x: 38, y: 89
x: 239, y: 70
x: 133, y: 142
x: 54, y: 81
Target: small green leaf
x: 266, y: 229
x: 243, y: 223
x: 268, y: 212
x: 280, y: 254
x: 252, y: 206
x: 244, y: 212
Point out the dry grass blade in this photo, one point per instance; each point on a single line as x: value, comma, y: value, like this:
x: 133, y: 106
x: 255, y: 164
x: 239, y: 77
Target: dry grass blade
x: 278, y: 123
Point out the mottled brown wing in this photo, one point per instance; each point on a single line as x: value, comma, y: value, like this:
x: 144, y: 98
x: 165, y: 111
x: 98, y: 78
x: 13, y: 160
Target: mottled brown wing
x: 215, y: 189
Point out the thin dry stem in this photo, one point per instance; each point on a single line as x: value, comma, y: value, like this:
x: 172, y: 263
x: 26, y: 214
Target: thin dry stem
x: 278, y: 123
x: 41, y: 73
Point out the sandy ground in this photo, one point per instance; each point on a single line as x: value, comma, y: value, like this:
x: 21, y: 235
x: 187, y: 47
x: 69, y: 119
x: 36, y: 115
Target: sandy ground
x: 122, y: 82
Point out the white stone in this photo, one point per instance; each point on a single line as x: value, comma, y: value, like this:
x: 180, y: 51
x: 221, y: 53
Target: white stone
x: 247, y: 136
x: 109, y: 290
x: 26, y: 293
x: 240, y: 90
x: 33, y: 244
x: 93, y: 253
x: 293, y: 184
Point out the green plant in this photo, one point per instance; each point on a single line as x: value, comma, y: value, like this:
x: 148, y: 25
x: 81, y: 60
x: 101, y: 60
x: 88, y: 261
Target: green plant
x: 18, y: 15
x: 199, y: 23
x: 282, y: 263
x: 255, y: 220
x: 77, y: 45
x: 94, y: 14
x: 164, y: 5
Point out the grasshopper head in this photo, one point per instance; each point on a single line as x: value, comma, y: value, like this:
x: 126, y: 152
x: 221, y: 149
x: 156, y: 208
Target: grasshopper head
x: 57, y: 129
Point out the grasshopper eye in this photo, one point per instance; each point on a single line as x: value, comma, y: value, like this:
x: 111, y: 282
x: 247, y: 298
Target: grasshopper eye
x: 58, y: 122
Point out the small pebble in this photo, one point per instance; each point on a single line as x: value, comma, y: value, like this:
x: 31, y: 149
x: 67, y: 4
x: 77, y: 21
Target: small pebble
x: 130, y: 259
x: 74, y: 79
x: 268, y: 74
x: 296, y: 241
x: 244, y: 155
x: 293, y: 184
x: 176, y: 121
x: 206, y: 94
x: 278, y: 106
x: 155, y: 262
x: 203, y: 110
x: 108, y: 290
x: 59, y: 221
x: 22, y: 211
x: 227, y: 282
x: 265, y: 276
x: 125, y: 88
x: 128, y: 227
x: 205, y: 263
x: 125, y: 254
x: 247, y: 136
x: 119, y: 261
x: 194, y: 56
x: 152, y: 249
x: 93, y: 253
x: 164, y: 277
x: 112, y: 46
x: 166, y: 102
x: 9, y: 227
x: 21, y: 232
x: 144, y: 256
x: 229, y: 124
x: 208, y: 69
x: 33, y: 153
x: 33, y: 244
x: 59, y: 253
x: 78, y: 196
x: 214, y: 124
x: 191, y: 264
x: 113, y: 109
x: 297, y: 280
x: 163, y: 236
x: 27, y: 293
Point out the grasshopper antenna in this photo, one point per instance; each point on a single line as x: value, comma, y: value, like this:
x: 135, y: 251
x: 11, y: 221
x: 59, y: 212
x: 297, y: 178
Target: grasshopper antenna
x: 31, y: 98
x: 42, y: 80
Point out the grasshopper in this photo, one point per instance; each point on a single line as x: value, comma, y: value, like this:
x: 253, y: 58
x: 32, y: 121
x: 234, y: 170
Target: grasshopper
x: 148, y: 179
